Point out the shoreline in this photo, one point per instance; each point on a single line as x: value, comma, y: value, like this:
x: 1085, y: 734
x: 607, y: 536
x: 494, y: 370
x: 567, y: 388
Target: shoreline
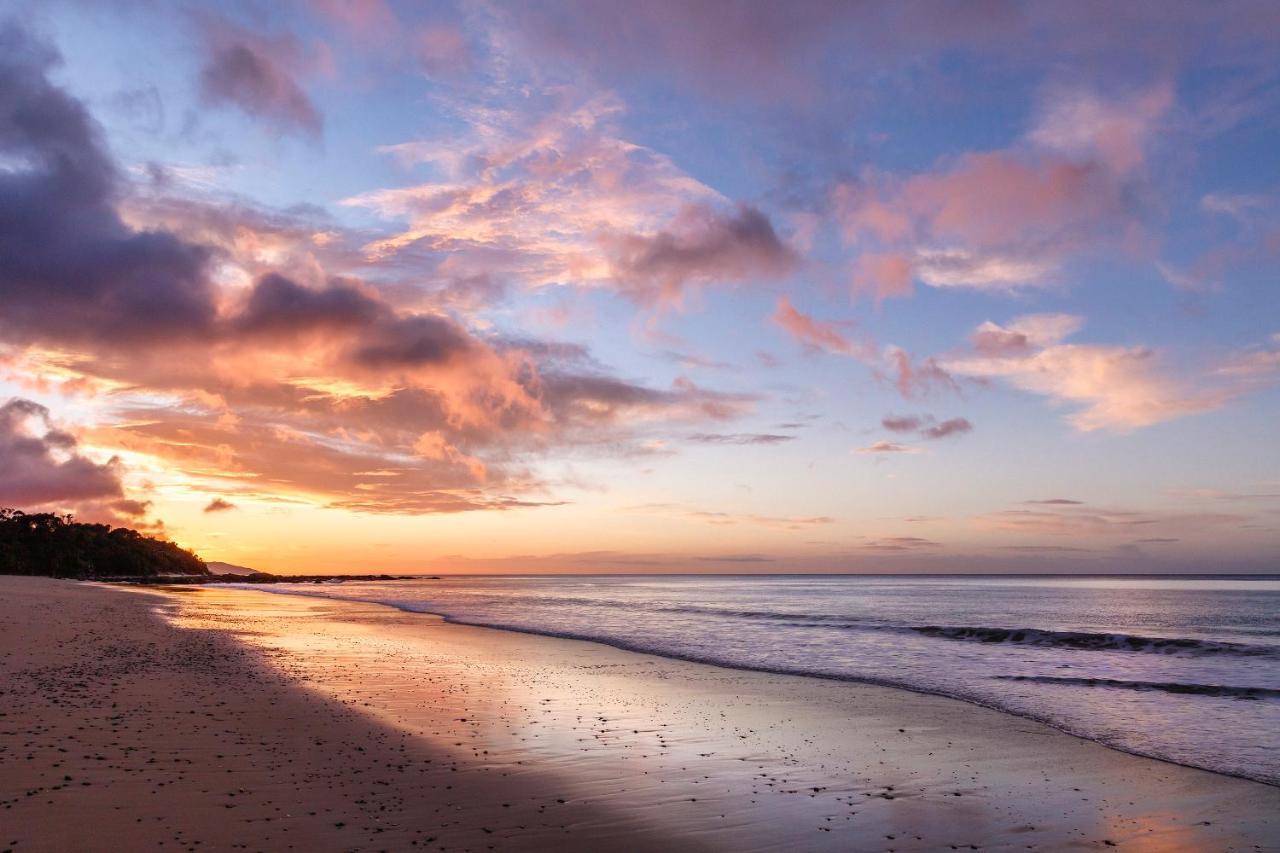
x: 623, y: 646
x: 660, y: 752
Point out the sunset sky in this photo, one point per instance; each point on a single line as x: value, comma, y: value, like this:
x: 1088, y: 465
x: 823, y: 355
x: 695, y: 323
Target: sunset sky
x: 662, y: 286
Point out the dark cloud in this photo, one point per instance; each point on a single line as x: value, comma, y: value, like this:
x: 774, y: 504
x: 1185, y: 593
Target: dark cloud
x: 70, y: 269
x: 41, y: 467
x: 255, y: 74
x: 1057, y: 502
x: 954, y: 426
x: 423, y: 339
x: 278, y: 305
x: 926, y: 426
x: 901, y: 423
x: 702, y: 245
x: 219, y: 505
x: 132, y: 509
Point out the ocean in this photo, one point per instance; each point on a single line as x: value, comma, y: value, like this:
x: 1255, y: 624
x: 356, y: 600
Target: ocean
x: 1181, y: 669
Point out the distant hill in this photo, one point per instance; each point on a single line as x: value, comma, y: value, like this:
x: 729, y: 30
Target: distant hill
x: 58, y: 546
x: 219, y: 568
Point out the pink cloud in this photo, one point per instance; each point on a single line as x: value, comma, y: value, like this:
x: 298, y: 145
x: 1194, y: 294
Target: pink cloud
x: 1009, y: 219
x: 1084, y: 127
x: 887, y: 447
x: 808, y: 331
x: 885, y: 276
x: 814, y: 333
x: 421, y: 36
x: 916, y: 377
x: 1112, y: 387
x: 556, y: 196
x: 360, y: 16
x: 443, y: 50
x: 1024, y: 334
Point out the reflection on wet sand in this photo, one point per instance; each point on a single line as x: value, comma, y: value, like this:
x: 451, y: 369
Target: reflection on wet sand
x: 733, y: 759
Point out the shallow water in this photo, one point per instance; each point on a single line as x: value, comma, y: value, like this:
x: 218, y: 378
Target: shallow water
x: 1182, y: 669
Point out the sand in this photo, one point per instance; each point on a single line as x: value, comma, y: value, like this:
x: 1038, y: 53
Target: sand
x: 217, y: 719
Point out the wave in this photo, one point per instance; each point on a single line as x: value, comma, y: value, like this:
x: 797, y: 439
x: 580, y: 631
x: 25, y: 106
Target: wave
x: 1162, y: 686
x: 1085, y: 641
x: 1075, y: 640
x: 1078, y: 640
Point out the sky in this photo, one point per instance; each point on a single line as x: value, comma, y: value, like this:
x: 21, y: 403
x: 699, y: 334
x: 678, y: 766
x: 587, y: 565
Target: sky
x: 326, y: 286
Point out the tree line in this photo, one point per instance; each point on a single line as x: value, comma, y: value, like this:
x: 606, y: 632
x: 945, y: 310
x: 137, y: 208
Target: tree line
x: 59, y: 546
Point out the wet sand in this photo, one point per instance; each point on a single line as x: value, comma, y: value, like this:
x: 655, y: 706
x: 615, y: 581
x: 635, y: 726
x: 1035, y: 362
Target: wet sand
x: 216, y: 719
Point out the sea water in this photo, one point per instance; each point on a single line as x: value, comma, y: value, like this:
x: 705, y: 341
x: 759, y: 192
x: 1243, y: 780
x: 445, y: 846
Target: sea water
x: 1182, y: 669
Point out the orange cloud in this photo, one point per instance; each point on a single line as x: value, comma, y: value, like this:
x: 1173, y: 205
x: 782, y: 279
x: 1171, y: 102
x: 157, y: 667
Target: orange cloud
x: 1114, y: 387
x: 225, y: 370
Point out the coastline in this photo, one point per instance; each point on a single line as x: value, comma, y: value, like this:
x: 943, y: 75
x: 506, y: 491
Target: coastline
x: 413, y: 727
x: 638, y: 648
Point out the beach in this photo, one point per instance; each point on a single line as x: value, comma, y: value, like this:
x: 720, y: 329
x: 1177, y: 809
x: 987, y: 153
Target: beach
x: 209, y: 718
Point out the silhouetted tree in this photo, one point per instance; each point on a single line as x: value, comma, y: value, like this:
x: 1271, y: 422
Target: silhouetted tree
x: 58, y: 546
